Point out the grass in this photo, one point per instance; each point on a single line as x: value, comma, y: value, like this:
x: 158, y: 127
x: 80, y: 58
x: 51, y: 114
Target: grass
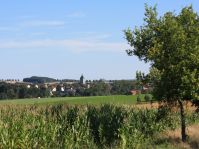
x: 172, y: 138
x: 93, y: 100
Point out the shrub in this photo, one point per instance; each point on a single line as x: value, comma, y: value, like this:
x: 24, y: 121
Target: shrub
x: 138, y: 98
x: 147, y: 97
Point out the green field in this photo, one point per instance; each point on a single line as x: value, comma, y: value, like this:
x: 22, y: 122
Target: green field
x: 95, y: 124
x: 95, y: 100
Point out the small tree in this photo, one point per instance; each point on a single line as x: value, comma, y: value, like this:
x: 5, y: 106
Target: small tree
x: 138, y: 99
x: 170, y: 44
x: 139, y: 80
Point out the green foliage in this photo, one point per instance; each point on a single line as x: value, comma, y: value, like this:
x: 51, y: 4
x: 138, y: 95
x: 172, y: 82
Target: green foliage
x: 153, y: 77
x: 99, y: 89
x: 13, y: 91
x: 140, y: 77
x: 139, y: 99
x: 72, y: 115
x: 35, y: 79
x: 94, y: 122
x: 170, y: 43
x: 142, y: 126
x: 107, y: 121
x: 147, y: 97
x: 62, y: 126
x: 122, y: 87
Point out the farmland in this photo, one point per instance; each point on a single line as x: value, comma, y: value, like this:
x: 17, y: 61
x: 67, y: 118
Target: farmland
x: 99, y: 75
x: 94, y: 100
x: 88, y: 122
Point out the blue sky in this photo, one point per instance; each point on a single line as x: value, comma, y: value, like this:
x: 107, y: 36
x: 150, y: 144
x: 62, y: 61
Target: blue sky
x: 65, y: 38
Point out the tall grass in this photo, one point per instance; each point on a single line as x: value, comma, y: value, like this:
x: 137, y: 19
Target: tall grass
x: 62, y: 126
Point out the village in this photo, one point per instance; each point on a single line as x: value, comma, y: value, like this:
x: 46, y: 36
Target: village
x: 71, y: 87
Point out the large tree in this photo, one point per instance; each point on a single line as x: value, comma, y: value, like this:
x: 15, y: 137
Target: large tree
x: 171, y: 44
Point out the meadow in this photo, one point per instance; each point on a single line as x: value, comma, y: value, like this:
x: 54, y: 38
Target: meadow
x: 93, y: 100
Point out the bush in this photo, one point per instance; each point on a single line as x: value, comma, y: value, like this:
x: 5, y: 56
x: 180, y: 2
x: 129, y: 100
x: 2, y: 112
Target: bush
x: 147, y: 97
x: 138, y: 98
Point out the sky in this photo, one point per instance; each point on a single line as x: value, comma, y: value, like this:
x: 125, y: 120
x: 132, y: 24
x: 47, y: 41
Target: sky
x: 66, y: 38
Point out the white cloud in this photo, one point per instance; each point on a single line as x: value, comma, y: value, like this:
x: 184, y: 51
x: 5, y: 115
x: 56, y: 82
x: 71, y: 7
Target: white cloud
x: 72, y: 45
x: 41, y: 23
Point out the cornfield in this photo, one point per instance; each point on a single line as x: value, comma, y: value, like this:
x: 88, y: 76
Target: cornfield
x: 73, y: 127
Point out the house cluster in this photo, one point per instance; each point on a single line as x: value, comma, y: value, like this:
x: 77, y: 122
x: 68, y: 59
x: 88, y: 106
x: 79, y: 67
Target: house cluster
x: 10, y: 81
x: 67, y: 85
x: 144, y: 89
x: 62, y: 86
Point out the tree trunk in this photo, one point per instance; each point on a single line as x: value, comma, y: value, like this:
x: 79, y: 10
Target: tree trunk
x: 183, y: 124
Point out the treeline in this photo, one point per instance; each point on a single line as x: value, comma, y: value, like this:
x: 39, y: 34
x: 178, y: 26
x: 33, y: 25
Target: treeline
x: 35, y: 79
x: 116, y: 88
x: 99, y: 88
x: 15, y: 91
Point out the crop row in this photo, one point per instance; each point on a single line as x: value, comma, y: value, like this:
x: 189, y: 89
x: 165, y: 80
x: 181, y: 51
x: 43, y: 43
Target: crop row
x: 62, y: 126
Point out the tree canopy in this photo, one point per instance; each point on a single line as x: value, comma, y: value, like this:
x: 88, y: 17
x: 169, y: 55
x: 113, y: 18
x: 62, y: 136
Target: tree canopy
x: 171, y: 44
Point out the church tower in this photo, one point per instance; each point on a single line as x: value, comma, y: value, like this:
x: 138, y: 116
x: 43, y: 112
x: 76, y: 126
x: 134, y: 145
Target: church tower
x: 82, y: 79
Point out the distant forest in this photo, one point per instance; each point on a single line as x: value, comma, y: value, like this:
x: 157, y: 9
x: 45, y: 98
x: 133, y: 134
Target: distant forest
x: 36, y: 79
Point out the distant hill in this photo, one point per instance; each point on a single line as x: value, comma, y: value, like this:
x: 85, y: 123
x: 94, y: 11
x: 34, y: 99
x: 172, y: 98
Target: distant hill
x: 35, y: 79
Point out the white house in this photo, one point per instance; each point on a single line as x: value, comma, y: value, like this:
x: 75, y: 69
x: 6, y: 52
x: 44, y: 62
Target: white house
x: 62, y: 89
x: 54, y: 89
